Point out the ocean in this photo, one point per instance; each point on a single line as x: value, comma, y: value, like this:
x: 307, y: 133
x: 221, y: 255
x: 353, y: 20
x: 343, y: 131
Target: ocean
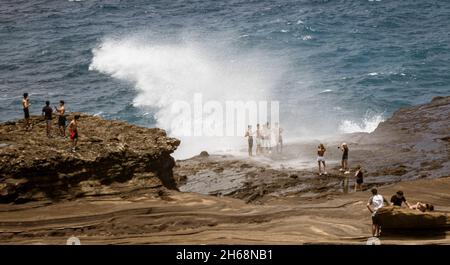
x: 333, y: 66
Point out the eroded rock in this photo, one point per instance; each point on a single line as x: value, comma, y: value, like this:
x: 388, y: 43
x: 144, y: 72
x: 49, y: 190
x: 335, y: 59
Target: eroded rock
x: 35, y: 166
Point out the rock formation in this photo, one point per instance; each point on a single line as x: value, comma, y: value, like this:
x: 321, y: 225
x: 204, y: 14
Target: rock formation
x: 396, y: 218
x: 120, y: 174
x: 35, y: 167
x: 414, y: 143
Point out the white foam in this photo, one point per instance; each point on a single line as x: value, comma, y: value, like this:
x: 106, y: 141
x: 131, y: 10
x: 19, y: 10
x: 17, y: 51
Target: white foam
x: 167, y: 72
x: 367, y: 124
x: 326, y: 91
x: 372, y: 74
x: 307, y: 37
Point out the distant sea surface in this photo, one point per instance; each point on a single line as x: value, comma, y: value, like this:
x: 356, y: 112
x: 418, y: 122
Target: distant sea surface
x: 334, y: 66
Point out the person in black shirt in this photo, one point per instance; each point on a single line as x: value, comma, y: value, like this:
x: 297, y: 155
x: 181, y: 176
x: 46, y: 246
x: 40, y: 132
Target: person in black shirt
x: 47, y: 113
x: 344, y: 161
x: 398, y: 198
x: 359, y: 178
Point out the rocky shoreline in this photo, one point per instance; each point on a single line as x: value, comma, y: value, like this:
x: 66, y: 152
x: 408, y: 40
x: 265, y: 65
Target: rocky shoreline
x: 123, y: 187
x: 35, y: 167
x: 413, y: 144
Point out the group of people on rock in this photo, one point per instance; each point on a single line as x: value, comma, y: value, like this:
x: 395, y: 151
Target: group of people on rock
x: 321, y: 159
x: 266, y: 138
x: 344, y: 164
x: 377, y: 201
x: 47, y: 113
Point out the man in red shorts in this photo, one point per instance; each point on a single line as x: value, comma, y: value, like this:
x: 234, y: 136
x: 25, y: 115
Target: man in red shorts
x: 73, y: 129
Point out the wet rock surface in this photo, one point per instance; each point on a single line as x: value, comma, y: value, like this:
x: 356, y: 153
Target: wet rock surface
x: 253, y: 201
x: 413, y: 144
x: 252, y: 181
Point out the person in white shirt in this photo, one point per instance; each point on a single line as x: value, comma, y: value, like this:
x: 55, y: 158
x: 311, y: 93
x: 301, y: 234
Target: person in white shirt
x: 377, y: 201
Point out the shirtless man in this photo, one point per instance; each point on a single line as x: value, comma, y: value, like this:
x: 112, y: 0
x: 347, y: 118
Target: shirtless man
x: 321, y: 159
x: 26, y: 110
x: 268, y: 138
x: 73, y: 130
x: 61, y: 118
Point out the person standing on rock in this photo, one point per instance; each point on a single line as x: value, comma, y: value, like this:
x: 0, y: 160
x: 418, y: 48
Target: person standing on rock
x: 258, y: 139
x: 344, y: 161
x: 73, y: 130
x: 268, y: 138
x: 249, y: 135
x: 61, y: 118
x: 264, y: 138
x: 279, y: 138
x: 47, y: 113
x: 26, y: 110
x: 321, y: 159
x: 359, y: 178
x: 377, y: 201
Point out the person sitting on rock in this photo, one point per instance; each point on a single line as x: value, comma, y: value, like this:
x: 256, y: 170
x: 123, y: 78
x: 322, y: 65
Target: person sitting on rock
x: 423, y: 207
x: 398, y: 198
x: 279, y: 137
x: 377, y: 201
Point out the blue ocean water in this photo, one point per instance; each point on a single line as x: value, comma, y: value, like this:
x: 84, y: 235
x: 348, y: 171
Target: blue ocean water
x: 332, y: 65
